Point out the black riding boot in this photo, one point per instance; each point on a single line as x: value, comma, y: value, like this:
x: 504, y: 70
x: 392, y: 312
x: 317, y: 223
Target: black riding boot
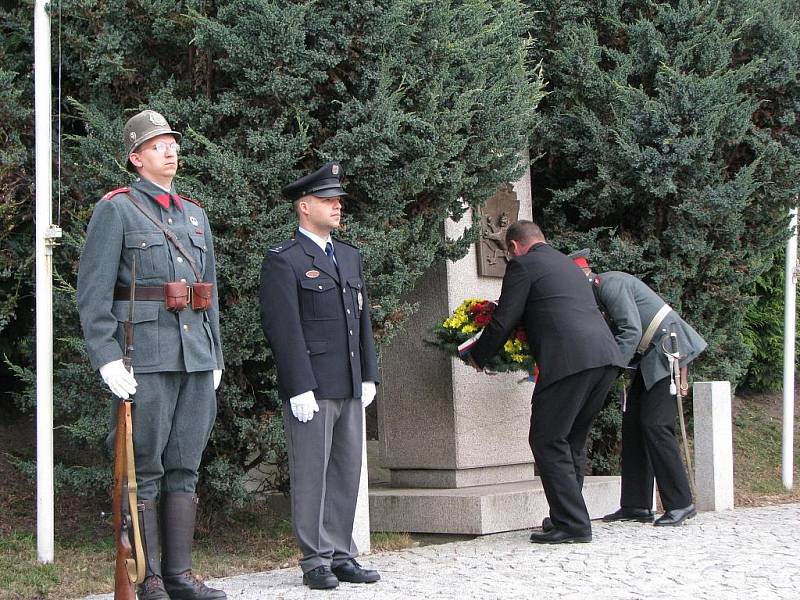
x: 152, y: 588
x: 178, y: 511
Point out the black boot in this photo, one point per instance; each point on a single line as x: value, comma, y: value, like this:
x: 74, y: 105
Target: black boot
x: 152, y: 588
x: 178, y: 511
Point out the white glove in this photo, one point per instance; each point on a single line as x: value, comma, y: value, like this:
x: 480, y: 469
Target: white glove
x: 118, y: 379
x: 367, y: 393
x: 304, y: 406
x: 217, y: 377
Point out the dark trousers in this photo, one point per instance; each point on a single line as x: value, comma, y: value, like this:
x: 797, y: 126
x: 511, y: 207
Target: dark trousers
x: 649, y: 448
x: 173, y: 414
x: 324, y: 473
x: 561, y: 418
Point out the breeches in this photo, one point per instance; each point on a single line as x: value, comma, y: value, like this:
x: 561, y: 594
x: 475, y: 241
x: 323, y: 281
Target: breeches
x: 173, y: 413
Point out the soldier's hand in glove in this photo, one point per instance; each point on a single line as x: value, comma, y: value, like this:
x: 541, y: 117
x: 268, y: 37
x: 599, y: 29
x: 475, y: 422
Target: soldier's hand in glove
x: 367, y: 393
x: 217, y: 377
x: 304, y: 406
x: 118, y: 379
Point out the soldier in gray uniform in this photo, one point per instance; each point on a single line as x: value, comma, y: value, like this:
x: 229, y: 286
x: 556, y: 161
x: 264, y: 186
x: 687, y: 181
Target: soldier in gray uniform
x: 177, y: 362
x: 642, y: 323
x: 315, y: 315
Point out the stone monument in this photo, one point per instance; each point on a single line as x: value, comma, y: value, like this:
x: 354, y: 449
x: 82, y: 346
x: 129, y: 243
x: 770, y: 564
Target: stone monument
x: 455, y: 441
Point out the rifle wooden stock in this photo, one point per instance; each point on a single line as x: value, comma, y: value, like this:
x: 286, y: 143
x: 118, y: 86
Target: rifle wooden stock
x: 124, y: 588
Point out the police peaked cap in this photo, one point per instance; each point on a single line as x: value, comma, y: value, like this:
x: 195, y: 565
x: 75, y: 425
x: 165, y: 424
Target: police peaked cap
x: 325, y: 182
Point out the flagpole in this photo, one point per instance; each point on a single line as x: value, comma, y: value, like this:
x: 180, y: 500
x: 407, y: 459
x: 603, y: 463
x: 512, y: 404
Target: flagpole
x: 45, y: 234
x: 790, y: 284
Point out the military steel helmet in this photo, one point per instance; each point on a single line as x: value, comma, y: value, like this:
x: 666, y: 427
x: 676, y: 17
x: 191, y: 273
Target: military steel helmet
x: 325, y: 182
x: 142, y: 127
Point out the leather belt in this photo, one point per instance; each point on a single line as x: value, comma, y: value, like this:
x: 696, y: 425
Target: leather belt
x: 144, y: 293
x: 651, y: 329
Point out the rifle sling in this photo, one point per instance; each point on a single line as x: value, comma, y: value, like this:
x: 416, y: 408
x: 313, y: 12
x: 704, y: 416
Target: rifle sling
x: 169, y: 234
x: 135, y: 568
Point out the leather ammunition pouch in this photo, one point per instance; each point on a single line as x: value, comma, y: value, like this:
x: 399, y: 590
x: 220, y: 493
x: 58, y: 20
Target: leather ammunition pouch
x: 201, y: 295
x: 176, y: 295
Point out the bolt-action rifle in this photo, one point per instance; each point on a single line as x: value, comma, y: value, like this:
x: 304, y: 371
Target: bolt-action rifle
x: 129, y: 569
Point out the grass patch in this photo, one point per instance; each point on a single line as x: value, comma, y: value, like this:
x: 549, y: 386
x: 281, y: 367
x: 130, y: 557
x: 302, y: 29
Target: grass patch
x: 385, y: 541
x: 757, y: 440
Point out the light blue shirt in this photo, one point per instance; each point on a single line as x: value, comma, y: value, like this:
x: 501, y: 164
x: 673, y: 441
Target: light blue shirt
x: 315, y: 238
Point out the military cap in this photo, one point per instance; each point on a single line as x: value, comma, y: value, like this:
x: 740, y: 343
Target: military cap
x: 580, y: 258
x: 142, y: 127
x: 325, y: 182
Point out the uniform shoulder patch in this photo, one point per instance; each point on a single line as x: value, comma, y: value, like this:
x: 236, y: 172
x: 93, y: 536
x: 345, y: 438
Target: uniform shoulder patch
x: 192, y: 200
x: 344, y: 242
x: 281, y: 247
x: 112, y: 193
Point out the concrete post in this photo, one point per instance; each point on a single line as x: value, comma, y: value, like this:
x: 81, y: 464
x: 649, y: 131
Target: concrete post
x: 713, y: 445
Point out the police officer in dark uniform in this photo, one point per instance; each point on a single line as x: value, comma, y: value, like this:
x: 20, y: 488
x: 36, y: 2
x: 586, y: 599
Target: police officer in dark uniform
x: 315, y: 315
x: 177, y: 361
x: 642, y: 324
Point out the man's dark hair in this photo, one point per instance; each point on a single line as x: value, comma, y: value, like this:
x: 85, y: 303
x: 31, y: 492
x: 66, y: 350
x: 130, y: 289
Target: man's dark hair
x: 524, y: 232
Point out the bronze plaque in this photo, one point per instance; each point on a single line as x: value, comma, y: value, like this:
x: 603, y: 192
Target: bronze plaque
x: 497, y: 215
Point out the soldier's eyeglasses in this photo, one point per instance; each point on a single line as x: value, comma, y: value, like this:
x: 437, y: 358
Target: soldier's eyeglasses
x: 161, y: 147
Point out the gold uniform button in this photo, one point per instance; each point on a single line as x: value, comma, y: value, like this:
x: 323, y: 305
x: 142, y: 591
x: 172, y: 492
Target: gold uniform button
x: 144, y: 244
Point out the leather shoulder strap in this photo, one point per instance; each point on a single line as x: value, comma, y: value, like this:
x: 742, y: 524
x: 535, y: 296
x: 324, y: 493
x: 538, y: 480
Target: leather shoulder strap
x: 169, y: 234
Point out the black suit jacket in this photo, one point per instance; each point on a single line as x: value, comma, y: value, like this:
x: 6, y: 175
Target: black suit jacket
x: 552, y: 297
x: 316, y: 319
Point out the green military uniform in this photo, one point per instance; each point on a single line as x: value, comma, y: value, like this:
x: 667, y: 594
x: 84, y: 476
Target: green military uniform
x: 174, y: 357
x: 648, y: 429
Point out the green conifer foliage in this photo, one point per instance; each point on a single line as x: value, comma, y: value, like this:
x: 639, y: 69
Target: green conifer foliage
x: 669, y: 144
x: 427, y: 104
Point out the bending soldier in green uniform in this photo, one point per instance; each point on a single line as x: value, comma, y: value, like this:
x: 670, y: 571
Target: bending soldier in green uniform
x: 643, y: 323
x: 177, y: 363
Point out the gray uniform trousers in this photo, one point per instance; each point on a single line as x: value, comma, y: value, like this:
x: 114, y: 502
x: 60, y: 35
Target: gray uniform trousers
x: 324, y: 470
x: 173, y: 413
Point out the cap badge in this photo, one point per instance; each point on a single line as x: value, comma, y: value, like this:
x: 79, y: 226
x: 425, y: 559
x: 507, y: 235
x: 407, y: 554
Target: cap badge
x: 313, y: 274
x: 335, y: 169
x: 193, y: 220
x: 157, y: 119
x: 132, y: 135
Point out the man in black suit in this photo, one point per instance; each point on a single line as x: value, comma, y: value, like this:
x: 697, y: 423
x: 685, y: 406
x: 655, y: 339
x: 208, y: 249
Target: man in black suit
x: 578, y: 361
x: 315, y: 315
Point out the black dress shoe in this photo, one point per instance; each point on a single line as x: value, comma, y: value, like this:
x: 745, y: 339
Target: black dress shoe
x: 352, y: 572
x: 547, y: 525
x: 676, y: 516
x: 628, y: 513
x: 320, y: 578
x: 559, y: 536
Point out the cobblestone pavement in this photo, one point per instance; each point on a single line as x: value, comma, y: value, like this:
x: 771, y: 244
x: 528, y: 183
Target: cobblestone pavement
x: 751, y: 554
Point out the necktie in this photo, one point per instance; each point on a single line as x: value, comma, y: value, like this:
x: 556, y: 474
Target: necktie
x: 329, y: 252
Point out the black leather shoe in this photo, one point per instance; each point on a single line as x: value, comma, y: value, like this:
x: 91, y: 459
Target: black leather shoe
x: 547, y: 525
x: 320, y: 578
x: 559, y: 536
x: 352, y: 572
x: 628, y: 513
x: 676, y: 516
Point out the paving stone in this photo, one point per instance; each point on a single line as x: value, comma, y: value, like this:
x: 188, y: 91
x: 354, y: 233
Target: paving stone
x: 744, y: 554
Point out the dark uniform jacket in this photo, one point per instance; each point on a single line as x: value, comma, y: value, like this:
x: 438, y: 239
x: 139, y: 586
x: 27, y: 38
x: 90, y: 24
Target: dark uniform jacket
x: 566, y: 332
x: 164, y: 341
x: 316, y: 319
x: 631, y: 305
